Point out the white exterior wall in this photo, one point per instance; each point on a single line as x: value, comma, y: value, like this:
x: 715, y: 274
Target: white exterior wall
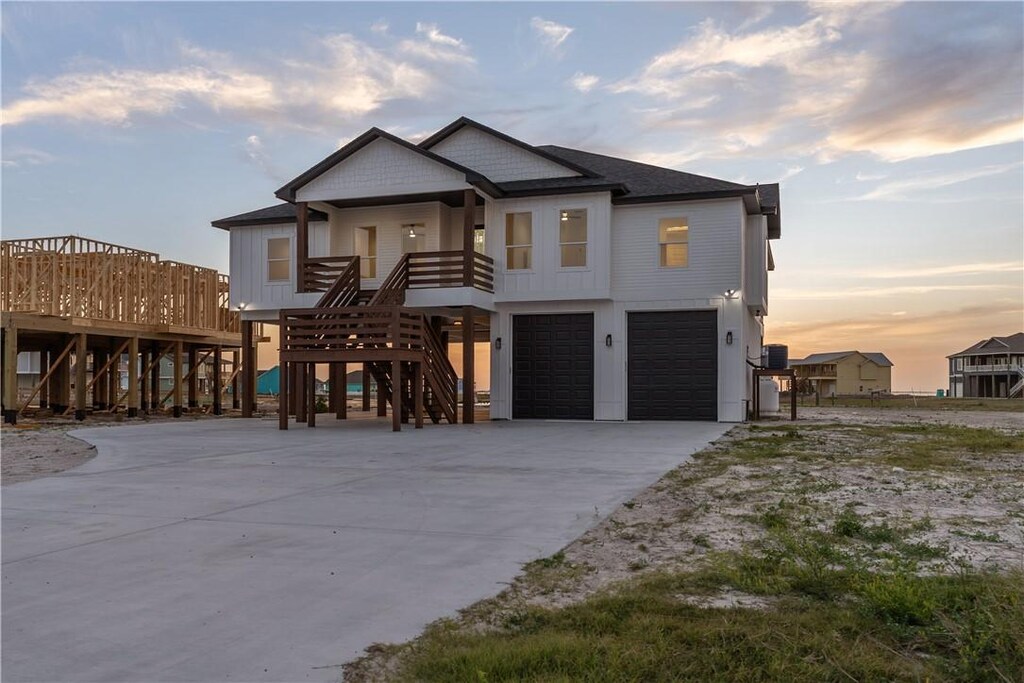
x: 755, y: 285
x: 249, y: 284
x: 379, y: 169
x: 547, y: 280
x: 498, y: 160
x: 388, y: 220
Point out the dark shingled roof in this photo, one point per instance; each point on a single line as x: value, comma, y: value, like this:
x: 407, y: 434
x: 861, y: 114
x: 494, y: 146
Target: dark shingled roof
x: 279, y: 213
x: 831, y: 357
x: 995, y: 345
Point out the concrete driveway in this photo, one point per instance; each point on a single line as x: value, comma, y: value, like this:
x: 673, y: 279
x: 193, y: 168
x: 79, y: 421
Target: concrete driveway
x: 227, y: 550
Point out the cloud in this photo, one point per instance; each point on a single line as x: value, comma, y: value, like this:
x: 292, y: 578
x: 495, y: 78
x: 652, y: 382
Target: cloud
x: 584, y: 82
x: 880, y: 292
x: 256, y: 154
x: 380, y: 26
x: 550, y: 33
x: 834, y: 82
x: 338, y: 77
x: 938, y: 271
x: 902, y: 189
x: 27, y: 156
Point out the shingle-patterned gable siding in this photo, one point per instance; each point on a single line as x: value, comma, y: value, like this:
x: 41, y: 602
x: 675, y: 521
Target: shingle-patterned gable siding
x: 500, y: 161
x: 381, y: 168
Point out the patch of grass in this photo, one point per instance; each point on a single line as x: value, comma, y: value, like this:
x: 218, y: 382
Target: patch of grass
x: 899, y: 626
x: 979, y: 536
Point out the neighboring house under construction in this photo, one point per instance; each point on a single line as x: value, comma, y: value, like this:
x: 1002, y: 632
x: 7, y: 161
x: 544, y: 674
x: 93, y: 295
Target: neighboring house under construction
x: 91, y: 312
x: 992, y: 368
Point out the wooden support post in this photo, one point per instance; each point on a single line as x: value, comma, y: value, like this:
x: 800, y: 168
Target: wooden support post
x: 236, y: 398
x: 311, y: 395
x: 300, y: 392
x: 193, y: 378
x: 301, y: 244
x: 342, y: 413
x: 44, y: 369
x: 100, y: 379
x: 332, y: 393
x: 396, y: 395
x: 133, y: 377
x: 144, y: 361
x: 293, y: 383
x: 10, y: 374
x: 176, y: 390
x: 154, y: 378
x: 218, y: 379
x: 114, y: 375
x: 248, y: 370
x: 468, y: 224
x: 60, y: 387
x: 382, y: 400
x: 366, y: 388
x: 418, y: 392
x: 468, y: 366
x: 282, y: 395
x: 81, y: 376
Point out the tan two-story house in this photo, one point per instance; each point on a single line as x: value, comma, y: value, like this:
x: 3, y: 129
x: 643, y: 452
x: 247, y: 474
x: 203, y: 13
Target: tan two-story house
x: 844, y: 373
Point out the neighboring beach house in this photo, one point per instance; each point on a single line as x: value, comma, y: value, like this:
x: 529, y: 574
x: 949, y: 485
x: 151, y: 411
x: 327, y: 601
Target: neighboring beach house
x: 844, y: 373
x: 604, y: 288
x: 992, y: 368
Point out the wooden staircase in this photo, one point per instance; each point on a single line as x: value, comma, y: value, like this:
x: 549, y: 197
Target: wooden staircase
x: 348, y: 325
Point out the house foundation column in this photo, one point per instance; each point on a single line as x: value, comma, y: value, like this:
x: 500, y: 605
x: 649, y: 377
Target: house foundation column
x: 366, y: 388
x: 193, y: 378
x: 341, y: 396
x: 396, y: 396
x: 282, y: 394
x: 81, y: 375
x: 248, y: 369
x: 133, y: 377
x: 218, y: 379
x: 176, y: 390
x: 468, y: 366
x: 10, y: 374
x: 60, y: 383
x: 236, y: 399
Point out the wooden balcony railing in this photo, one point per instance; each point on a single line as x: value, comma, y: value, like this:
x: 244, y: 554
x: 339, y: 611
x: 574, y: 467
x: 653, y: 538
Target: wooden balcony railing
x: 352, y: 328
x: 320, y: 273
x: 449, y: 269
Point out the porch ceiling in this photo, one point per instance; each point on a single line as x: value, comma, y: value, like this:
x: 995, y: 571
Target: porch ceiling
x: 453, y: 198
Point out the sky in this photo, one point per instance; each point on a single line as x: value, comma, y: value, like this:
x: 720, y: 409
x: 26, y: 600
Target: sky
x: 895, y: 130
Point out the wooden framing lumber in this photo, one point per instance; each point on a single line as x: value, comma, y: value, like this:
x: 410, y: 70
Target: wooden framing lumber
x: 218, y: 378
x: 176, y: 392
x: 81, y: 369
x: 54, y: 366
x: 10, y: 374
x: 133, y: 377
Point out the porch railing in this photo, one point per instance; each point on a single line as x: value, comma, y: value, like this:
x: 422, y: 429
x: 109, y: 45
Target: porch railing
x: 432, y: 269
x: 351, y: 328
x: 320, y: 273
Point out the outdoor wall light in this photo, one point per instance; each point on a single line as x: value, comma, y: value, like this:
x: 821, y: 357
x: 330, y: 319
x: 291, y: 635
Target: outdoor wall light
x: 241, y: 306
x: 730, y: 293
x: 728, y: 337
x: 608, y: 340
x: 497, y: 343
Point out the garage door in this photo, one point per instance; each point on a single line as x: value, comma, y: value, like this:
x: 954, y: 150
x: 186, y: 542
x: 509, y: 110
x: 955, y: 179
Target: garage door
x: 553, y: 366
x: 673, y: 365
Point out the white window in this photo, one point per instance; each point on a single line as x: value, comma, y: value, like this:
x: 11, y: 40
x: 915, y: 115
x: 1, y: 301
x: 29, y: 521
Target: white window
x: 674, y: 242
x: 279, y: 258
x: 518, y: 241
x: 366, y: 250
x: 414, y: 238
x: 572, y: 237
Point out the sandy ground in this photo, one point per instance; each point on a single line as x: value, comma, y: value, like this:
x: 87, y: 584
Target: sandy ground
x: 36, y: 448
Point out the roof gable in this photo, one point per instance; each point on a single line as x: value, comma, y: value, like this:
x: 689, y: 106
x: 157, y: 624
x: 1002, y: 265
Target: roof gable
x: 501, y: 157
x: 379, y: 163
x: 1013, y: 343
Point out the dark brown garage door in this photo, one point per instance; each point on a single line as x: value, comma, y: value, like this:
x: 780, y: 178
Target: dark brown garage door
x: 673, y: 365
x: 553, y: 367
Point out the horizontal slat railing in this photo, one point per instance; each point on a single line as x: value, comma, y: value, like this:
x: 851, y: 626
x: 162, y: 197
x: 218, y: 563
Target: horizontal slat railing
x: 345, y: 290
x: 431, y: 269
x: 319, y: 274
x: 352, y: 327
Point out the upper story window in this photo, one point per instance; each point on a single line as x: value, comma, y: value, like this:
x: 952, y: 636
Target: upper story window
x: 366, y: 250
x: 518, y: 241
x: 279, y: 259
x: 572, y: 237
x: 414, y: 238
x: 674, y: 242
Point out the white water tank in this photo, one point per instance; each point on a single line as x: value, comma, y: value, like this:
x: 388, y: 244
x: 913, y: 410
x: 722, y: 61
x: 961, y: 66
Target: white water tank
x: 768, y: 395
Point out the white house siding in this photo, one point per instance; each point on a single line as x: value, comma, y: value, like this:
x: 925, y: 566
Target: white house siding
x: 381, y: 168
x: 388, y: 221
x: 755, y: 286
x: 547, y: 280
x: 249, y: 285
x: 500, y: 161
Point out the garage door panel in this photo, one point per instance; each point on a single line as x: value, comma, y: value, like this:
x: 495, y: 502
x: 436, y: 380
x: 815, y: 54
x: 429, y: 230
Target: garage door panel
x: 673, y: 365
x: 553, y: 366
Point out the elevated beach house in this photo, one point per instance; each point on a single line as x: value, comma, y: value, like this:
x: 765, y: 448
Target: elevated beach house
x: 603, y: 289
